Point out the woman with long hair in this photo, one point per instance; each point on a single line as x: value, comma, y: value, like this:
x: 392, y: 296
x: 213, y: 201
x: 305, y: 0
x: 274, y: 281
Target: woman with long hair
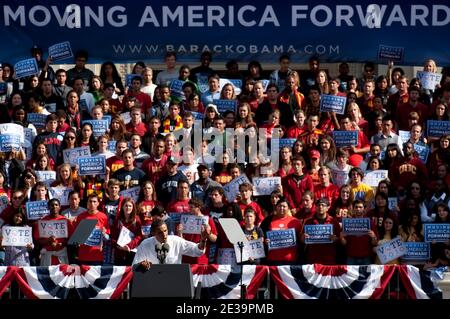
x: 327, y: 149
x: 109, y: 74
x: 388, y: 231
x: 285, y: 162
x: 86, y: 137
x: 147, y: 201
x: 117, y: 129
x: 126, y: 218
x: 358, y: 121
x: 96, y: 88
x: 69, y: 142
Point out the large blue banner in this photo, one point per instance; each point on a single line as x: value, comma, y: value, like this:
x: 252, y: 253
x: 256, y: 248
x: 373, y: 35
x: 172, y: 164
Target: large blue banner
x: 128, y: 31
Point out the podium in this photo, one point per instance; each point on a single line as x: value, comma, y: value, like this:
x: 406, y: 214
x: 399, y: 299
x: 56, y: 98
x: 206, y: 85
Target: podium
x: 163, y: 281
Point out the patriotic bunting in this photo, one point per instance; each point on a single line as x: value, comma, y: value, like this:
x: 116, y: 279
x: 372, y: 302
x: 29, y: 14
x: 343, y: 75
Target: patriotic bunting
x: 102, y: 282
x: 419, y: 284
x: 331, y: 282
x: 53, y: 282
x: 7, y: 275
x: 223, y: 281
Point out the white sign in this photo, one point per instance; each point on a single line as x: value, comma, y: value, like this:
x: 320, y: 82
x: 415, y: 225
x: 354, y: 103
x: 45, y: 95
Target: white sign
x: 71, y: 154
x: 49, y: 228
x: 429, y: 80
x: 391, y: 250
x: 226, y: 256
x: 374, y: 177
x: 16, y: 236
x: 132, y: 192
x: 265, y: 185
x: 125, y: 237
x: 61, y: 193
x: 232, y: 188
x: 193, y: 224
x: 48, y: 177
x: 13, y: 129
x: 252, y: 249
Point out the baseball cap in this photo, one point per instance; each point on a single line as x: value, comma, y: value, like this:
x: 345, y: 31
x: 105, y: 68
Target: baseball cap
x: 314, y: 154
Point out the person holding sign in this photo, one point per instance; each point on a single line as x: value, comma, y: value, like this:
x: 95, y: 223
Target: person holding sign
x: 359, y: 247
x: 440, y: 252
x: 91, y: 252
x: 17, y: 255
x: 287, y: 252
x: 195, y: 236
x: 388, y: 232
x: 126, y: 233
x: 52, y: 233
x: 322, y: 253
x: 251, y: 231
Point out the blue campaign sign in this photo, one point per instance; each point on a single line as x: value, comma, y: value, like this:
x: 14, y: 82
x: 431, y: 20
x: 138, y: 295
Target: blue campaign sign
x: 386, y: 52
x: 355, y: 226
x: 112, y: 146
x: 108, y: 118
x: 176, y: 88
x: 9, y: 142
x: 197, y: 115
x: 423, y: 151
x: 439, y: 233
x: 3, y: 88
x: 99, y: 126
x: 230, y: 29
x: 332, y: 103
x: 129, y: 78
x: 37, y: 209
x: 175, y: 217
x: 345, y: 138
x: 225, y: 105
x: 146, y: 230
x: 236, y: 82
x: 95, y: 238
x: 319, y: 234
x: 37, y: 119
x: 416, y: 251
x: 282, y: 238
x: 437, y: 128
x: 289, y: 142
x: 25, y: 68
x: 60, y: 51
x: 95, y: 165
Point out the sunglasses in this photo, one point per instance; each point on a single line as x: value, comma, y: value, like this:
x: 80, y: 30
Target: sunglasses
x: 17, y: 197
x: 70, y: 137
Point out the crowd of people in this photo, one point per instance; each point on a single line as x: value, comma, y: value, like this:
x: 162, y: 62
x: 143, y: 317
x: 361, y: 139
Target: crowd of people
x: 321, y: 183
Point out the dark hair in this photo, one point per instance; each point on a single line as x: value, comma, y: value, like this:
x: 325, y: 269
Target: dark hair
x: 82, y: 54
x: 157, y: 211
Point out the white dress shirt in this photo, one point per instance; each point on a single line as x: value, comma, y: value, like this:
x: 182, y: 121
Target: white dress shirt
x: 178, y: 247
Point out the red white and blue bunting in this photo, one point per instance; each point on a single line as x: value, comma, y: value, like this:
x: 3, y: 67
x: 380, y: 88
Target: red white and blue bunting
x: 91, y: 282
x: 223, y: 281
x: 349, y: 282
x: 7, y: 275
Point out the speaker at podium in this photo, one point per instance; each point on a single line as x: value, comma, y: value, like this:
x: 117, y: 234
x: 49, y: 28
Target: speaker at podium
x: 167, y: 280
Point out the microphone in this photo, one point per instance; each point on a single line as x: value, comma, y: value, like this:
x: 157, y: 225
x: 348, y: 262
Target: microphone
x: 159, y: 249
x: 164, y: 250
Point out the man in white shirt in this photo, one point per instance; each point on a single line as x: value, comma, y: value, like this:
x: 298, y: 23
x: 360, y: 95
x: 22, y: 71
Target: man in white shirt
x: 151, y: 250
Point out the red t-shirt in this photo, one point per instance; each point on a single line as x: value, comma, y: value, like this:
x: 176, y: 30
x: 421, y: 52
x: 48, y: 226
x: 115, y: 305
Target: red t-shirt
x: 288, y: 254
